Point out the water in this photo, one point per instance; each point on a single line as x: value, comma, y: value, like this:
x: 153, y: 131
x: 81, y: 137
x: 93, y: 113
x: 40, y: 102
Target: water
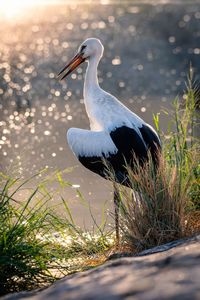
x: 148, y: 50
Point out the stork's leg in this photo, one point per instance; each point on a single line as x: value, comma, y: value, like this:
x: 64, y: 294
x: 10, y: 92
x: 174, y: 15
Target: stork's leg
x: 116, y: 204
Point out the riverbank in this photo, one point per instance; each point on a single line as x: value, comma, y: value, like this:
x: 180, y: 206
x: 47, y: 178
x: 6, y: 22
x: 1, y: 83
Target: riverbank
x: 171, y: 271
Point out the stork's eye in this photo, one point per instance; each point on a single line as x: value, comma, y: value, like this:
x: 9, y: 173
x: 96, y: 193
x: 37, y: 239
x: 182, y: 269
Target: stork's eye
x: 82, y: 48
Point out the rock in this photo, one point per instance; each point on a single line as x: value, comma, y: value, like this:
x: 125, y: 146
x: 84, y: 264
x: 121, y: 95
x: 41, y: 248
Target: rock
x: 171, y: 273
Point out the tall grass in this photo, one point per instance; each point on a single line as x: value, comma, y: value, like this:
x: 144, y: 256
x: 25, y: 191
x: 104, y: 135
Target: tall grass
x: 165, y: 203
x: 36, y: 245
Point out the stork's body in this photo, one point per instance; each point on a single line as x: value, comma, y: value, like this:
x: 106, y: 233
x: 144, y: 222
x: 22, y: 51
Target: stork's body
x: 116, y: 133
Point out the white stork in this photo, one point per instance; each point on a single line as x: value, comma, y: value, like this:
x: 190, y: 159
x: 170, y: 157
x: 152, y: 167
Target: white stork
x: 116, y: 133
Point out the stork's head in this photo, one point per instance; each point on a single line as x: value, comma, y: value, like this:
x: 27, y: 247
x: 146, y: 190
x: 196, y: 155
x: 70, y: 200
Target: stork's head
x: 90, y: 48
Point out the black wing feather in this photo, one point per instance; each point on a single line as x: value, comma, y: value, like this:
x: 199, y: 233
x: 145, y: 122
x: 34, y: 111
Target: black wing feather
x: 128, y: 143
x: 152, y: 141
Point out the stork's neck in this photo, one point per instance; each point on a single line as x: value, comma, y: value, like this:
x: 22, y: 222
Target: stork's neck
x: 91, y: 84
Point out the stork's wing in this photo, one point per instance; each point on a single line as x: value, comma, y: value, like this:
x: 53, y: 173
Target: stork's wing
x: 117, y: 147
x: 129, y: 143
x: 87, y: 143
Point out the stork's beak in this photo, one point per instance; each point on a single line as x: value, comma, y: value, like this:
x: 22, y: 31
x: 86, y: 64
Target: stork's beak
x: 73, y: 64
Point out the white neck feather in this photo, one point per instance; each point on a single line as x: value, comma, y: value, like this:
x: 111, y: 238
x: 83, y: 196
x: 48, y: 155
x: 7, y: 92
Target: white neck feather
x: 91, y: 84
x: 104, y: 110
x: 92, y: 91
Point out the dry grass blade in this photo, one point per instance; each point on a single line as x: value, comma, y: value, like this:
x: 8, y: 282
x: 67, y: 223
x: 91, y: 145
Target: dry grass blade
x: 163, y: 203
x: 155, y: 212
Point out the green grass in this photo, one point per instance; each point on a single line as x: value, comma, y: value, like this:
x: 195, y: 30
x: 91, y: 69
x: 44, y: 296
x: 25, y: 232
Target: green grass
x: 36, y: 245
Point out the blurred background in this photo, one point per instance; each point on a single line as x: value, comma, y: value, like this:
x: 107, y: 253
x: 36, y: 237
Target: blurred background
x: 149, y: 46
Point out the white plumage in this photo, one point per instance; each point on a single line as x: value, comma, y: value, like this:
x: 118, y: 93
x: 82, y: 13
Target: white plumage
x: 90, y: 143
x: 116, y: 134
x: 106, y: 114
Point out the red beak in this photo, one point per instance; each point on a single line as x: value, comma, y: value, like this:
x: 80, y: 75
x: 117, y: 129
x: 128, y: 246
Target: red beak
x: 73, y: 64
